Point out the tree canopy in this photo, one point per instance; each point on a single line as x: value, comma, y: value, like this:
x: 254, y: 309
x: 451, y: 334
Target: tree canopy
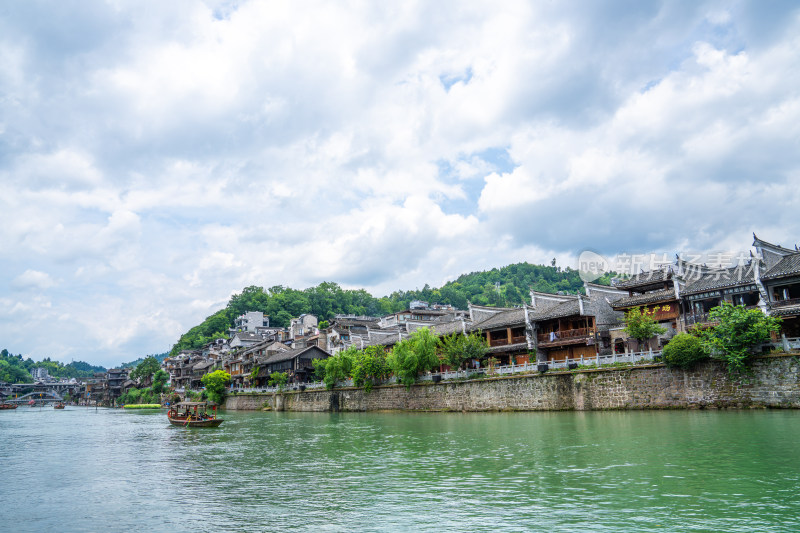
x: 144, y: 371
x: 216, y: 384
x: 505, y: 286
x: 15, y: 369
x: 738, y: 332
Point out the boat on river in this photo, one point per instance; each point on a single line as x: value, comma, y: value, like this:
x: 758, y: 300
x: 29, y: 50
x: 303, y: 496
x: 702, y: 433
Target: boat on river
x: 59, y: 405
x: 194, y: 415
x: 8, y: 406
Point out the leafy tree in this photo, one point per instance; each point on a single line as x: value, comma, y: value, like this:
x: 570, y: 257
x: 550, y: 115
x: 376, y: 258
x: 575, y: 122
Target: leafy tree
x: 216, y: 384
x: 144, y: 371
x: 641, y: 325
x: 337, y: 367
x: 278, y: 379
x: 414, y: 355
x: 369, y: 366
x: 738, y: 331
x: 458, y: 348
x: 684, y: 351
x: 160, y: 380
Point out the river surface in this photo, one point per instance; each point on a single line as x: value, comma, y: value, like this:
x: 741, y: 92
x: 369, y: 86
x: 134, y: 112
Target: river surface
x: 111, y: 470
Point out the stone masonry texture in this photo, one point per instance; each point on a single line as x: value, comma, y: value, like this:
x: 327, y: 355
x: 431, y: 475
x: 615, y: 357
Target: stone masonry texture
x: 774, y: 383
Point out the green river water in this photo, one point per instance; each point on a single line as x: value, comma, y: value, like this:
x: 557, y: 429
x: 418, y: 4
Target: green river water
x: 111, y: 470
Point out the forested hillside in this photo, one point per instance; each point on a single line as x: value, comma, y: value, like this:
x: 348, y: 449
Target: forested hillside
x: 133, y: 364
x: 15, y: 369
x: 505, y: 286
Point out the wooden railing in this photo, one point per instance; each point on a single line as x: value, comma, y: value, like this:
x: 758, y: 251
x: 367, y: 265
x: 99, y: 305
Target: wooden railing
x: 503, y: 341
x: 786, y: 303
x: 564, y: 334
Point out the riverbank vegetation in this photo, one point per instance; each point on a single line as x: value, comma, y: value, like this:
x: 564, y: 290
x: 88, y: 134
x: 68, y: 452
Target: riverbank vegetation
x: 216, y: 384
x: 421, y: 352
x: 139, y: 396
x: 738, y: 331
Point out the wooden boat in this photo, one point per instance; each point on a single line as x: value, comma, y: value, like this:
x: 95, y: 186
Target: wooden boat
x: 194, y: 415
x: 8, y: 406
x: 59, y: 405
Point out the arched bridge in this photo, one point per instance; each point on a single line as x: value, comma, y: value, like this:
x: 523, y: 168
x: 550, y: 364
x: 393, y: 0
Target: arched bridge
x: 47, y: 396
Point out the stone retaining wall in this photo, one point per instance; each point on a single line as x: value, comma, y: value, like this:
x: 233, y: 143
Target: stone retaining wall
x: 775, y: 382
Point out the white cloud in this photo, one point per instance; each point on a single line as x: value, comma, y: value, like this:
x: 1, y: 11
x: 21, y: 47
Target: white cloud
x: 155, y: 160
x: 33, y: 279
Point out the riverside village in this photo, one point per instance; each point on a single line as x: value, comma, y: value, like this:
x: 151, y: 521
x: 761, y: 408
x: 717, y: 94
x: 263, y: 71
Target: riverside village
x: 556, y: 351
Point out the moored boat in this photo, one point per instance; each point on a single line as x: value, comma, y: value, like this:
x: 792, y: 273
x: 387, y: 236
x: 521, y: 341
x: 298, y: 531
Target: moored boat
x: 8, y: 406
x: 194, y: 415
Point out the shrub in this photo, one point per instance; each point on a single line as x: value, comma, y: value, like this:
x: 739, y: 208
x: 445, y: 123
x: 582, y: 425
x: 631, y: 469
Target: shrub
x: 278, y: 379
x: 414, y: 355
x: 369, y: 366
x: 738, y: 332
x: 684, y: 351
x: 216, y: 384
x: 457, y: 348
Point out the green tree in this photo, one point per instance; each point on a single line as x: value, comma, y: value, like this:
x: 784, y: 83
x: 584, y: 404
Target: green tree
x: 369, y: 367
x: 216, y: 384
x: 641, y: 325
x: 738, y: 332
x: 336, y: 368
x: 144, y: 371
x: 278, y: 379
x: 458, y: 348
x: 160, y: 380
x: 414, y: 355
x: 684, y: 351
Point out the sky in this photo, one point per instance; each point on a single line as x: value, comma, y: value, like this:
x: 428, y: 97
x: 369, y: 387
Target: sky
x: 157, y: 157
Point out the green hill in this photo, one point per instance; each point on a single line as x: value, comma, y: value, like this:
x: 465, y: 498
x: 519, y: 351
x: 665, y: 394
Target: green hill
x: 506, y: 286
x: 15, y: 369
x: 159, y: 357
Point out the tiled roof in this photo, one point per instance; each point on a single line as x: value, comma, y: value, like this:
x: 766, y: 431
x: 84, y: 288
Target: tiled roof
x: 789, y: 265
x: 503, y: 319
x: 644, y: 278
x: 291, y: 354
x: 722, y: 278
x: 569, y: 308
x: 446, y: 328
x: 643, y: 299
x: 383, y: 340
x: 783, y: 311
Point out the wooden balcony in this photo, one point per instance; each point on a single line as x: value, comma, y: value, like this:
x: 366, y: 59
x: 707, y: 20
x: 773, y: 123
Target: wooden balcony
x: 785, y: 303
x: 503, y: 341
x: 564, y: 335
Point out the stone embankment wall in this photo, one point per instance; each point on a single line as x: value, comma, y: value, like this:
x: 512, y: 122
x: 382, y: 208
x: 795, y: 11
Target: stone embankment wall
x: 775, y: 382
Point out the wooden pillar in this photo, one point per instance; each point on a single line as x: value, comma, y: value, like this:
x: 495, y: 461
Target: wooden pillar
x: 508, y: 334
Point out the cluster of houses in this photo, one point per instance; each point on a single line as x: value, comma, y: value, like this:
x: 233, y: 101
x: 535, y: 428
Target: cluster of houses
x: 552, y: 327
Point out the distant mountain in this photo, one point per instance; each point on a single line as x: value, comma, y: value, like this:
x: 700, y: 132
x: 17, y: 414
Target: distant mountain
x: 499, y: 287
x: 159, y: 356
x: 15, y: 369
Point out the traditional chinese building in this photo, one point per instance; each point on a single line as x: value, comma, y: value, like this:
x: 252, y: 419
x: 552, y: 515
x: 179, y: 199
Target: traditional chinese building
x: 780, y: 284
x: 657, y: 293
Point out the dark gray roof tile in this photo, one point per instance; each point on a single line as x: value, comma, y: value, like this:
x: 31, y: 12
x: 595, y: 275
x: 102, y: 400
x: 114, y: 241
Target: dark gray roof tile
x: 644, y: 299
x: 788, y: 266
